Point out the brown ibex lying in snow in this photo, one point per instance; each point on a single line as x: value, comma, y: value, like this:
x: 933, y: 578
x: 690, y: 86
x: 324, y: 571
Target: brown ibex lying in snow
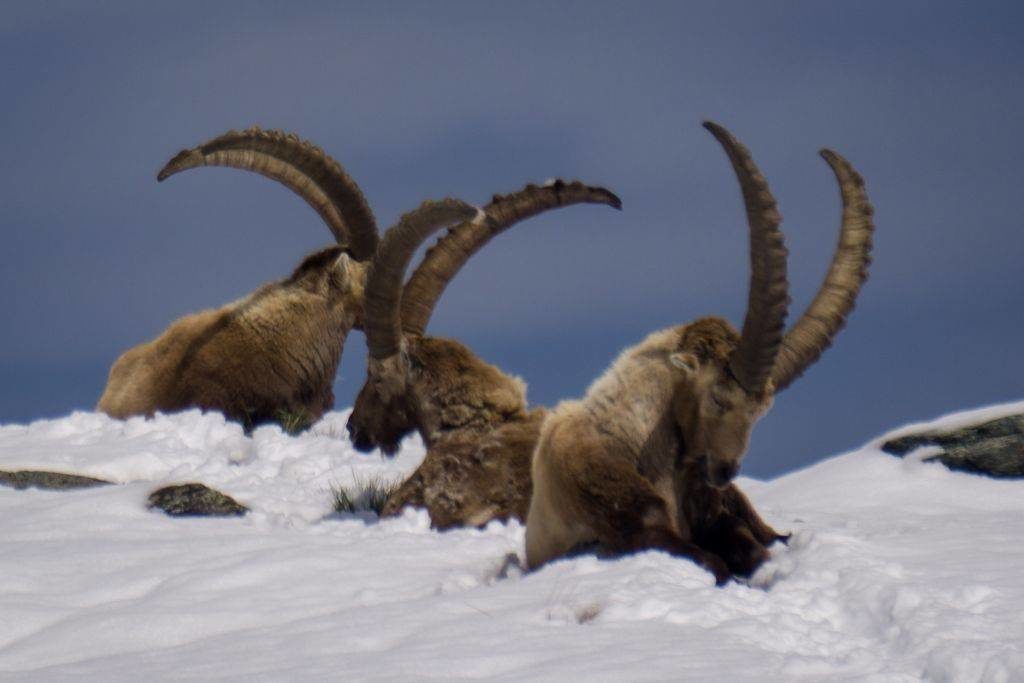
x: 645, y: 459
x: 276, y: 351
x: 473, y: 418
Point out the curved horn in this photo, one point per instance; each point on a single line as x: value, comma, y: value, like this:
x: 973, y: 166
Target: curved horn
x: 382, y: 323
x: 752, y: 361
x: 299, y: 165
x: 447, y: 256
x: 826, y: 315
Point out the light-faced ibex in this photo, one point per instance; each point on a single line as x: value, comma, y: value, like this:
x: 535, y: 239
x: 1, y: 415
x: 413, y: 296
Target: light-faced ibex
x: 644, y: 460
x: 473, y: 418
x: 274, y: 352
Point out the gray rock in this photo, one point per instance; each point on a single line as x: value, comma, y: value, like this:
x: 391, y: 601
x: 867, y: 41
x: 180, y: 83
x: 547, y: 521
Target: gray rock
x: 54, y: 481
x: 994, y: 448
x: 195, y: 500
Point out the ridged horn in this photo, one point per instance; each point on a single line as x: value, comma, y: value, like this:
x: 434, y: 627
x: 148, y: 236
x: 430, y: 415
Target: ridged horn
x: 827, y: 313
x: 299, y: 165
x: 768, y: 297
x: 382, y: 321
x: 447, y: 256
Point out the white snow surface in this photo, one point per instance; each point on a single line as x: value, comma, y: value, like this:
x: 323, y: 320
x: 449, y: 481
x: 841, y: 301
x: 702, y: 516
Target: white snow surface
x: 898, y: 570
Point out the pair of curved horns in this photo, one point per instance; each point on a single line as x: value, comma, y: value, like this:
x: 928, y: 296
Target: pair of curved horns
x: 764, y: 352
x: 392, y: 310
x: 302, y: 167
x: 382, y: 319
x: 447, y: 256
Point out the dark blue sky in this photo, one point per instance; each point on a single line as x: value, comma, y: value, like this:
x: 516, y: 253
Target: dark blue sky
x: 424, y: 100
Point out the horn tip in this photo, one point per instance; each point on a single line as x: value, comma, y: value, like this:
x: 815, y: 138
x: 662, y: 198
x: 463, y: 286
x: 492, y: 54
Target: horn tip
x: 834, y: 158
x: 725, y: 138
x: 185, y: 159
x: 167, y: 171
x: 612, y: 199
x: 712, y: 127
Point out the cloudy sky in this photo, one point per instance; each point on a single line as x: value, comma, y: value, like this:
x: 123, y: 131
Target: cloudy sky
x: 425, y: 100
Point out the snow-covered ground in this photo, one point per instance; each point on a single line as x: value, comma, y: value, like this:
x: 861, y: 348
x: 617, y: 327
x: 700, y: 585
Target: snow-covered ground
x: 897, y: 571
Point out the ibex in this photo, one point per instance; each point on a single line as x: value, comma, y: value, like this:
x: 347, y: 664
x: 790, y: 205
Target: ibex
x: 473, y: 418
x: 645, y: 459
x: 274, y: 352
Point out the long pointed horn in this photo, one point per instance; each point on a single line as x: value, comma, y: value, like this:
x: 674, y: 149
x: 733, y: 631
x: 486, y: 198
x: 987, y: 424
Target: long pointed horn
x: 768, y: 297
x: 826, y: 315
x: 300, y: 166
x: 447, y: 256
x: 382, y: 323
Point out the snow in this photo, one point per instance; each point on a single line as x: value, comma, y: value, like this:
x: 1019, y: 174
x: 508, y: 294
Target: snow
x: 271, y: 472
x: 898, y: 570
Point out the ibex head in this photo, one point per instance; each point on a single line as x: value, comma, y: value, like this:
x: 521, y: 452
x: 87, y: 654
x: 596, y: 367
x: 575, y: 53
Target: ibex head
x: 415, y: 382
x: 384, y: 409
x: 713, y: 411
x: 727, y: 379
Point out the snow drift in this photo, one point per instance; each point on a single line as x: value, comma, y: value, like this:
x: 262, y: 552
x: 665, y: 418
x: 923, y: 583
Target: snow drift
x: 897, y: 571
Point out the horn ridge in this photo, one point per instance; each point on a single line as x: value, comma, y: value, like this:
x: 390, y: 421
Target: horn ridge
x: 450, y: 253
x: 768, y: 293
x: 382, y: 318
x: 817, y: 328
x: 299, y: 165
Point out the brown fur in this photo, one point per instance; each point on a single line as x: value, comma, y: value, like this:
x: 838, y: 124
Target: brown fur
x: 472, y: 417
x: 469, y: 479
x: 645, y: 459
x: 477, y: 466
x: 456, y: 391
x: 434, y: 386
x: 272, y: 353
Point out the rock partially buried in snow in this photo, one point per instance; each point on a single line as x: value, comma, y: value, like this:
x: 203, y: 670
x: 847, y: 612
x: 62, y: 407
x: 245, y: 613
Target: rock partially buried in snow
x: 55, y: 481
x: 994, y: 448
x: 195, y: 500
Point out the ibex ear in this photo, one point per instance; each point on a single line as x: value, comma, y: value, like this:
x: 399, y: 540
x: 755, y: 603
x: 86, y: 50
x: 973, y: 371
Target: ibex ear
x: 687, y: 362
x: 344, y: 261
x: 347, y: 271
